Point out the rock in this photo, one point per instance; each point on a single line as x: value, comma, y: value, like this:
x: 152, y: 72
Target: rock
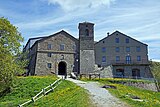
x: 109, y: 86
x: 73, y: 75
x: 134, y: 97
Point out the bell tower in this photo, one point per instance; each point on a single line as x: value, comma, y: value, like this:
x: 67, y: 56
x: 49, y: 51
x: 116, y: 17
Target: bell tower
x: 86, y: 45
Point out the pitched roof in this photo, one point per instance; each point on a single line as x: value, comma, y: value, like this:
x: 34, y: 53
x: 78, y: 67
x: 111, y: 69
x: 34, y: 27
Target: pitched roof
x: 123, y: 35
x: 39, y: 39
x: 36, y: 38
x: 60, y: 32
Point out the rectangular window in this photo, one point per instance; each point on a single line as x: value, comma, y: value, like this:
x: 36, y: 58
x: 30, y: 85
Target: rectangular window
x: 138, y: 58
x: 62, y: 47
x: 117, y: 58
x: 117, y: 49
x: 49, y: 54
x: 49, y: 46
x: 49, y: 65
x: 117, y: 40
x: 103, y: 49
x: 74, y: 47
x: 87, y: 32
x: 103, y: 58
x: 127, y: 49
x: 138, y: 49
x: 128, y: 59
x: 127, y: 40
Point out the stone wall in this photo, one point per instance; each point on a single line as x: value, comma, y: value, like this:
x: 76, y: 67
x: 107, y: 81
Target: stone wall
x: 87, y: 61
x: 105, y: 72
x: 55, y: 59
x: 111, y: 53
x: 143, y: 85
x: 69, y: 55
x: 144, y: 70
x: 147, y: 86
x: 32, y: 57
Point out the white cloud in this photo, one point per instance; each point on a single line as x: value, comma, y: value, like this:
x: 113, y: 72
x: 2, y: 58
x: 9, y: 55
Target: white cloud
x: 155, y: 60
x: 70, y: 5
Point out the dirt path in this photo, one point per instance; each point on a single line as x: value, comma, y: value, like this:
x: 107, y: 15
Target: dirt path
x: 100, y: 96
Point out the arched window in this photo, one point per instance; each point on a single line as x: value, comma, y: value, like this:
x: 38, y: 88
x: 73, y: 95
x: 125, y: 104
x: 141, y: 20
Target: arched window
x: 87, y: 32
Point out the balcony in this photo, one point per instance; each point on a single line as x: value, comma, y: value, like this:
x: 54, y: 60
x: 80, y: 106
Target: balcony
x: 129, y: 62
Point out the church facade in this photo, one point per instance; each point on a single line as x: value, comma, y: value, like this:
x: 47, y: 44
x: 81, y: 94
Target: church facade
x: 62, y: 54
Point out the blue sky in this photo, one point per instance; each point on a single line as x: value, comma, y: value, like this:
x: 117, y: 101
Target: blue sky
x: 139, y: 19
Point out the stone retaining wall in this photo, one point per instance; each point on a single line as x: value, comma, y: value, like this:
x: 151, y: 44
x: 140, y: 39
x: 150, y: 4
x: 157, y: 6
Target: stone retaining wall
x: 142, y: 85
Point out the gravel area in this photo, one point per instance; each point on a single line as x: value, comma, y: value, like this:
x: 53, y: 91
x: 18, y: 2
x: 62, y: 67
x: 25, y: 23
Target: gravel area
x: 100, y: 96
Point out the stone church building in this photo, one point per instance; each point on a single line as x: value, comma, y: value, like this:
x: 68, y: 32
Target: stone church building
x: 116, y: 55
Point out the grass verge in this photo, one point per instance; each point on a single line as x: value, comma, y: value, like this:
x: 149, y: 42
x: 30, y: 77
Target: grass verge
x: 66, y: 95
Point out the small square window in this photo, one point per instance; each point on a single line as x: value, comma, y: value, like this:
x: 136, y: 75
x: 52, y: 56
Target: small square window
x: 138, y: 49
x: 127, y: 49
x: 103, y: 58
x: 117, y: 40
x: 103, y: 49
x: 49, y: 46
x: 49, y: 65
x: 103, y: 41
x: 117, y: 49
x: 127, y: 40
x: 138, y: 58
x: 49, y: 54
x: 74, y: 47
x: 62, y: 47
x: 117, y: 58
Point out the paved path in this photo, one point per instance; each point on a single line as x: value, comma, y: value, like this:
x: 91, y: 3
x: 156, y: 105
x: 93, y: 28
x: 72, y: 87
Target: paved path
x: 100, y: 96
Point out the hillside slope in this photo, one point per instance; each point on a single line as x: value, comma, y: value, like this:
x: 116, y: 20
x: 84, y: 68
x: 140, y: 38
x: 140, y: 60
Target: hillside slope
x: 66, y: 94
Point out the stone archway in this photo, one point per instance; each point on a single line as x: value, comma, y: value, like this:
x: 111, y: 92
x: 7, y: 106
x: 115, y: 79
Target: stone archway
x: 136, y: 73
x: 62, y: 68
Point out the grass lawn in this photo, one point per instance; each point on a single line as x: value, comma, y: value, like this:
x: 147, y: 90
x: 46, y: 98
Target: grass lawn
x: 67, y: 94
x: 150, y: 98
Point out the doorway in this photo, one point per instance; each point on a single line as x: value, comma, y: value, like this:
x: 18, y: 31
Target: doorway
x: 62, y: 68
x: 135, y: 73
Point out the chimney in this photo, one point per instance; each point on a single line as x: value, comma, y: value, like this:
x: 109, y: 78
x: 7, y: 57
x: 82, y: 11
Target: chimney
x: 107, y: 33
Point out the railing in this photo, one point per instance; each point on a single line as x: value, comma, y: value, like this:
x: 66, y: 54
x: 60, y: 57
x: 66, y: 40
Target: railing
x: 42, y: 93
x: 114, y: 62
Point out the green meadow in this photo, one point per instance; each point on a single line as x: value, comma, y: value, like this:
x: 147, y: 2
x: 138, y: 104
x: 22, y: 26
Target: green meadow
x: 67, y: 94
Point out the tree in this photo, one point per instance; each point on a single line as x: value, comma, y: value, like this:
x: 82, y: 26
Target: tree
x: 155, y: 67
x: 10, y: 40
